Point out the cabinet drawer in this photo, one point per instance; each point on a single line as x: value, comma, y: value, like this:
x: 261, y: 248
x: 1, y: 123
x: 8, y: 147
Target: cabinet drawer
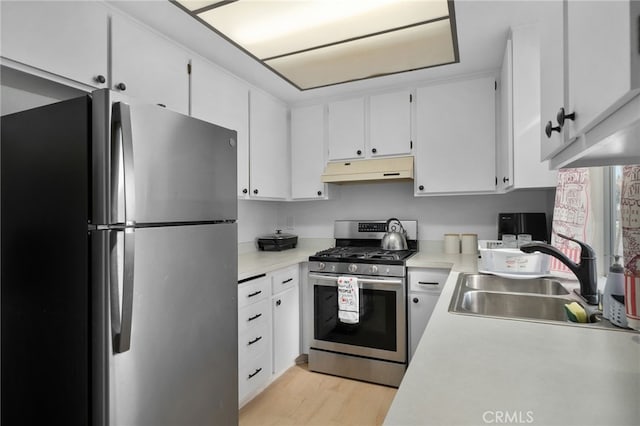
x: 253, y: 315
x: 253, y: 291
x: 431, y: 279
x: 252, y: 376
x: 253, y: 343
x: 284, y: 279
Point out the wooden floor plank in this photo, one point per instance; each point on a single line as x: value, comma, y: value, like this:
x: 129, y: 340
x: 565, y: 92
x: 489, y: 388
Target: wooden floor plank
x: 302, y: 397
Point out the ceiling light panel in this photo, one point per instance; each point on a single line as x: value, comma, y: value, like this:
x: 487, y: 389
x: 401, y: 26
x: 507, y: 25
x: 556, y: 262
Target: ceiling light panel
x: 388, y: 53
x: 195, y: 5
x: 314, y: 43
x: 268, y: 28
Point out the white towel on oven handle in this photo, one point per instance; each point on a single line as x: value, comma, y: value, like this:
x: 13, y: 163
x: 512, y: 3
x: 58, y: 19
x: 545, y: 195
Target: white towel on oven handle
x: 348, y: 300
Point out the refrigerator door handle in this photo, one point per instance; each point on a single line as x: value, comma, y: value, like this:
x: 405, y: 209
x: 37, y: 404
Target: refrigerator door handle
x: 122, y: 156
x: 121, y: 310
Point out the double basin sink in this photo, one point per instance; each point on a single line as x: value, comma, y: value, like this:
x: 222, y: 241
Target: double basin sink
x: 536, y: 299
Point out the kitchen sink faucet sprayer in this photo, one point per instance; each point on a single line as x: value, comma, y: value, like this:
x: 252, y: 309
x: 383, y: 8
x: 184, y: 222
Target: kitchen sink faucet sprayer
x: 585, y: 270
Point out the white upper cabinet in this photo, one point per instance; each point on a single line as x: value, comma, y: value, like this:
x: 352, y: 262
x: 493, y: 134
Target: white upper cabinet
x: 268, y: 147
x: 68, y: 39
x: 504, y: 153
x: 601, y: 86
x: 307, y: 152
x: 603, y: 59
x: 528, y: 170
x: 551, y: 77
x: 148, y: 66
x: 346, y: 128
x: 221, y: 99
x: 390, y: 124
x: 455, y: 137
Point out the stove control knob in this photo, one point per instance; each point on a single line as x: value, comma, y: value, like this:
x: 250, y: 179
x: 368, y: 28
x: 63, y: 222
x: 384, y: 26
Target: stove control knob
x: 321, y: 265
x: 374, y: 269
x: 353, y: 267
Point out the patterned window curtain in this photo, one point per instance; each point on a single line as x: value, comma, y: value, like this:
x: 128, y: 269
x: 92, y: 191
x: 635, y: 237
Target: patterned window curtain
x: 630, y: 221
x: 577, y: 213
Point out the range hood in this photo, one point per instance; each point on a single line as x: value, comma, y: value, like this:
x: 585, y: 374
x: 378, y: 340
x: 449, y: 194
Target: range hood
x: 374, y: 170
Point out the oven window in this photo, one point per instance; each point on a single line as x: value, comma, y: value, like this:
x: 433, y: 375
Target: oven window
x: 377, y: 327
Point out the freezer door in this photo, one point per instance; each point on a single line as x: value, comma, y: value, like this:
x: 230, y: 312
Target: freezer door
x: 152, y: 165
x: 181, y: 365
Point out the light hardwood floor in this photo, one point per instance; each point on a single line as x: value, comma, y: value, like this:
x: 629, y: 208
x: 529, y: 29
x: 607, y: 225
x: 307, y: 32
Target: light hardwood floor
x: 302, y: 397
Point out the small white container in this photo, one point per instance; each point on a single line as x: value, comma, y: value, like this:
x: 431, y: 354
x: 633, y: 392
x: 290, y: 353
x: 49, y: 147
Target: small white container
x: 514, y: 261
x: 452, y: 243
x: 469, y: 243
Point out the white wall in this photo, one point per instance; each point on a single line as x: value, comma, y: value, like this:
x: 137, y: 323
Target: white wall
x: 256, y: 218
x: 435, y: 215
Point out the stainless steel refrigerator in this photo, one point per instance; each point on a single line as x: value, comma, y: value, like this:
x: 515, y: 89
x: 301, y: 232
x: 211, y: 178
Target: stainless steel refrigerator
x: 119, y: 266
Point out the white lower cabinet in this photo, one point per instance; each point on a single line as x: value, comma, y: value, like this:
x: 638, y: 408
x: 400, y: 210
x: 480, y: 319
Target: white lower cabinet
x: 286, y: 329
x: 425, y: 286
x: 268, y: 329
x: 254, y: 337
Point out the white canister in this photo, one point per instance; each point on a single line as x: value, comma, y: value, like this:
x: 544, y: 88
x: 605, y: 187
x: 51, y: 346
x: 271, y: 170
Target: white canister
x: 452, y: 243
x: 469, y: 243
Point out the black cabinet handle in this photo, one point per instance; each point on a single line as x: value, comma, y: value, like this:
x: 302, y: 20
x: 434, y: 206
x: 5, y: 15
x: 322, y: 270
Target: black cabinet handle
x: 255, y: 317
x: 100, y: 79
x: 257, y: 339
x: 319, y: 193
x: 287, y: 281
x: 245, y: 190
x: 374, y: 150
x: 255, y: 191
x: 421, y: 187
x: 162, y: 105
x: 278, y: 302
x: 550, y: 129
x: 256, y: 372
x: 254, y: 293
x: 561, y: 117
x: 359, y: 152
x: 415, y: 300
x: 505, y: 179
x: 121, y: 86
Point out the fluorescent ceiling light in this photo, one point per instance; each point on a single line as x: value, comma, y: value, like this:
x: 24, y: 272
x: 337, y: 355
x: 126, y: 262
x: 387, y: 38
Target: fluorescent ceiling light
x: 315, y: 43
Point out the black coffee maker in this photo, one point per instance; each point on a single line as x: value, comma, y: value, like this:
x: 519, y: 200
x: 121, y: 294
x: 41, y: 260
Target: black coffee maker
x: 524, y: 223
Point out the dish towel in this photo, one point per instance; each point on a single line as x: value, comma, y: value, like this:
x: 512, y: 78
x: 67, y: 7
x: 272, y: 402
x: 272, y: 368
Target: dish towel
x: 348, y: 300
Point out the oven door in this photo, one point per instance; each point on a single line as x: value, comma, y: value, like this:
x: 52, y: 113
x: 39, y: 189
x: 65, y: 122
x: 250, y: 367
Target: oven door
x: 381, y: 331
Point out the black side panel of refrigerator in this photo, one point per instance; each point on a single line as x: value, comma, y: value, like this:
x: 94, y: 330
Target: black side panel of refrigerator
x: 45, y: 292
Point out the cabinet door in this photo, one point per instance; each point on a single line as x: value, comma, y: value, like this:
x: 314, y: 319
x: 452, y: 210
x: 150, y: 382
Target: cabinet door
x: 346, y: 129
x: 64, y: 38
x: 420, y: 309
x: 268, y: 149
x: 505, y: 138
x: 307, y: 152
x: 286, y: 329
x: 148, y: 66
x: 528, y: 170
x: 390, y: 124
x: 604, y: 65
x: 221, y: 99
x: 552, y: 70
x: 456, y: 137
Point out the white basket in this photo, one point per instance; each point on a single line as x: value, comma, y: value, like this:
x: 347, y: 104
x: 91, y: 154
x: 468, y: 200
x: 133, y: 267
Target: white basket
x: 514, y: 261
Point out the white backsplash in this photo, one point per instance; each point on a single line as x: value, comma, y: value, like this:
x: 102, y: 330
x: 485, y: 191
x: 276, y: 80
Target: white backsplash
x: 435, y: 215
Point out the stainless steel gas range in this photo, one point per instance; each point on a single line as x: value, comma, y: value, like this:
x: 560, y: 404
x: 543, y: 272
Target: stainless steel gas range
x: 374, y: 348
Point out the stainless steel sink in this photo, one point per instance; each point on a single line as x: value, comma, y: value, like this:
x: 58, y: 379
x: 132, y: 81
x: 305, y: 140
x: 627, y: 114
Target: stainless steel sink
x: 515, y: 305
x: 537, y: 300
x: 534, y: 285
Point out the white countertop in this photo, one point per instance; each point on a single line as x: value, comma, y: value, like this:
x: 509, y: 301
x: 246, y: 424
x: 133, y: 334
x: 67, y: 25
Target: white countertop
x: 470, y: 370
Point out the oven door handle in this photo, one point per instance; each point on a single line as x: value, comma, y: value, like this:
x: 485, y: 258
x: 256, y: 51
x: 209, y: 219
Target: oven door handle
x: 334, y: 279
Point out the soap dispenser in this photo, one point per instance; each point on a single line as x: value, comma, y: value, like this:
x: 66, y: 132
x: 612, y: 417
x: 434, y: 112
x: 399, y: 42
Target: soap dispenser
x: 614, y: 286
